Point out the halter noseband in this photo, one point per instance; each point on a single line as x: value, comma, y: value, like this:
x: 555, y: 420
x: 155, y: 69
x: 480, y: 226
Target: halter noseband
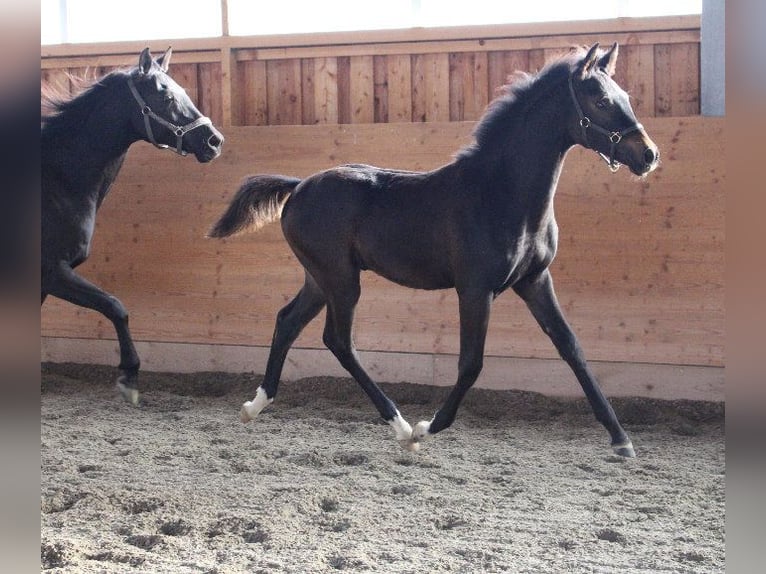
x: 614, y: 137
x: 179, y: 131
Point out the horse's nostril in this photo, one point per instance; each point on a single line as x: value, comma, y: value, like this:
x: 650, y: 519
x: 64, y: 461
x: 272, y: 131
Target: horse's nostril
x: 651, y: 155
x: 214, y: 141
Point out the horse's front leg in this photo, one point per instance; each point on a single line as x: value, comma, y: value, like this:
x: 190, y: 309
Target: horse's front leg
x: 65, y: 284
x: 541, y: 299
x: 474, y: 319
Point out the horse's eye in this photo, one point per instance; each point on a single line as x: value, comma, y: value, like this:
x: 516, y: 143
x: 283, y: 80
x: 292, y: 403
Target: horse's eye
x: 602, y: 103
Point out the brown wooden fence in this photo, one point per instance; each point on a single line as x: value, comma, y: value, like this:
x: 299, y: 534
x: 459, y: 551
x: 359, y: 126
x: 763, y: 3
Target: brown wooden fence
x: 425, y: 75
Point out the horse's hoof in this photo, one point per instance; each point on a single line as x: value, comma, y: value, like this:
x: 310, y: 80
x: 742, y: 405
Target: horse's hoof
x: 624, y: 449
x: 409, y: 445
x: 403, y: 433
x: 130, y: 394
x: 421, y: 431
x: 244, y: 413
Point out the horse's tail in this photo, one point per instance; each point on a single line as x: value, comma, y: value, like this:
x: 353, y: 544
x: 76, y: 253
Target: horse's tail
x: 258, y: 201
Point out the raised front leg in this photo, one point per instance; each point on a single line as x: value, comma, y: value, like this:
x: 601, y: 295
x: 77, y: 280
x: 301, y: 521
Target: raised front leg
x: 65, y: 284
x: 541, y: 300
x: 474, y: 320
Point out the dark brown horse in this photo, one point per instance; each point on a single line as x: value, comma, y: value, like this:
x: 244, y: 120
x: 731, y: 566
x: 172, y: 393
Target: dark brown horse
x: 480, y: 224
x: 83, y: 144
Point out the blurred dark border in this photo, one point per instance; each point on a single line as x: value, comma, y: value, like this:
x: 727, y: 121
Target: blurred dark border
x: 19, y: 283
x: 745, y: 190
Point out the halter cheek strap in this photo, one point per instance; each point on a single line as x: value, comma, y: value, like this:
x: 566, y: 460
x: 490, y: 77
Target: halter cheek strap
x: 614, y: 137
x: 179, y: 131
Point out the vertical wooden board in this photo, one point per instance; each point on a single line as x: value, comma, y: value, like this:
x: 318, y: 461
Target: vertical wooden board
x: 501, y: 66
x: 663, y: 81
x: 685, y: 79
x: 227, y: 81
x: 468, y: 85
x: 326, y: 90
x: 344, y: 90
x: 186, y: 76
x: 481, y: 94
x: 362, y: 90
x: 635, y: 73
x: 283, y: 78
x: 210, y: 96
x: 436, y: 76
x: 399, y: 71
x: 308, y: 114
x: 457, y: 86
x: 380, y: 89
x: 418, y: 88
x: 238, y: 93
x: 537, y: 60
x: 254, y: 93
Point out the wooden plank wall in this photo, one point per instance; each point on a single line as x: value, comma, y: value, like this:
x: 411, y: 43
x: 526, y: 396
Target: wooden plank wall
x: 386, y: 87
x: 390, y: 77
x: 639, y: 271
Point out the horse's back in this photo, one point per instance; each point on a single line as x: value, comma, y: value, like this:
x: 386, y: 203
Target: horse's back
x: 388, y: 221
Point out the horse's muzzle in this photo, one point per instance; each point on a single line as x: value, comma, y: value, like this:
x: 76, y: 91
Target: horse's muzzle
x: 642, y: 155
x: 651, y: 158
x: 211, y: 148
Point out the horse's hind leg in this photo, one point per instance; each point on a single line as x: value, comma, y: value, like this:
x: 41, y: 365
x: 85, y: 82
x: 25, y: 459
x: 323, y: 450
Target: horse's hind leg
x: 290, y: 322
x: 65, y: 284
x: 541, y: 300
x: 342, y: 298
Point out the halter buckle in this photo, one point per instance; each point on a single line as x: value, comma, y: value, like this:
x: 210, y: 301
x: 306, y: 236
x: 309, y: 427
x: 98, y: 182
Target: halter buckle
x: 615, y: 137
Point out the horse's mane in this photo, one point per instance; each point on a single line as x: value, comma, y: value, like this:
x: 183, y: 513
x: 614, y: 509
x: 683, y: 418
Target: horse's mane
x: 522, y: 90
x: 60, y: 112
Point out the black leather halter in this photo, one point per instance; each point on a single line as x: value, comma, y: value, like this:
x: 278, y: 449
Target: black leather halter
x: 179, y: 131
x: 614, y: 137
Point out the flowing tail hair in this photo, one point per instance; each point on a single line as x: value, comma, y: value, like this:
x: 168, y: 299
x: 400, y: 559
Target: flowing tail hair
x: 258, y: 201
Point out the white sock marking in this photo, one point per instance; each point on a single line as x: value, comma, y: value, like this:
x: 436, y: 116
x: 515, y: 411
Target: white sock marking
x: 254, y: 407
x: 421, y: 431
x: 402, y: 428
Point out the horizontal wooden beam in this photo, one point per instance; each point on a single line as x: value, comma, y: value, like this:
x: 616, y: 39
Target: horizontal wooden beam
x: 476, y: 45
x: 129, y: 58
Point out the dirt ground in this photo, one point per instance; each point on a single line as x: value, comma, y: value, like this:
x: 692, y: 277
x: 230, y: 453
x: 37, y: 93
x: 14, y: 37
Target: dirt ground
x: 521, y: 483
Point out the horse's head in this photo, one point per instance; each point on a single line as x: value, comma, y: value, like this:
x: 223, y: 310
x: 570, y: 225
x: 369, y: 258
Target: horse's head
x: 165, y: 115
x: 604, y: 120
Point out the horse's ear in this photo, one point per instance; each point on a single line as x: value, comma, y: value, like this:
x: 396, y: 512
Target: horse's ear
x: 164, y: 60
x: 145, y: 61
x: 588, y: 62
x: 609, y: 60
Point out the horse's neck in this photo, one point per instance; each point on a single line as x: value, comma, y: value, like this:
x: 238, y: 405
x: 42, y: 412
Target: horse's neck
x: 108, y: 131
x: 109, y: 175
x: 528, y: 169
x: 93, y: 157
